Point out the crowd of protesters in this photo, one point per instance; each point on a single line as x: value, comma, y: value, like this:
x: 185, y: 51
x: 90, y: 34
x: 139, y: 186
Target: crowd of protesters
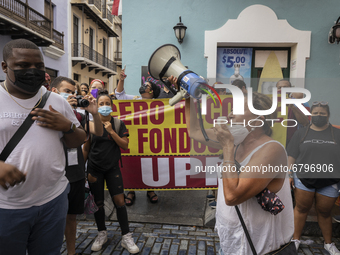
x: 63, y: 125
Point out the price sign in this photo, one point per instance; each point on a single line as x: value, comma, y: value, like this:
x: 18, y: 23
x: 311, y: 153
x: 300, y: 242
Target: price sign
x: 234, y: 63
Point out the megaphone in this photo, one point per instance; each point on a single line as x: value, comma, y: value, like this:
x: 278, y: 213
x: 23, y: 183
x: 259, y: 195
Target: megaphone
x: 166, y: 61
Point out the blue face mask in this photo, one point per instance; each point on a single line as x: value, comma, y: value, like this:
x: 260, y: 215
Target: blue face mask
x: 105, y: 110
x: 64, y: 95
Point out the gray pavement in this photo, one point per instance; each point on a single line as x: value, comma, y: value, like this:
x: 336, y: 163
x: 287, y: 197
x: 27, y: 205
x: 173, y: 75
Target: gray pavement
x: 181, y: 223
x: 166, y: 239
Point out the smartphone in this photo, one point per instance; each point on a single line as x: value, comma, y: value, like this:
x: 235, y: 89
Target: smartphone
x: 124, y: 70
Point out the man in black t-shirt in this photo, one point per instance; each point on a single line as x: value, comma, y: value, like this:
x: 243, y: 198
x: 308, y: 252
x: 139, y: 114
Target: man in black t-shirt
x: 75, y: 164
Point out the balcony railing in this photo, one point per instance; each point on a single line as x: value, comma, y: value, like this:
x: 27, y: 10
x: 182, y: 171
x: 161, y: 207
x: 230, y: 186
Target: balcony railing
x: 24, y: 14
x: 82, y: 50
x: 58, y: 38
x: 96, y: 3
x: 118, y: 56
x: 107, y: 15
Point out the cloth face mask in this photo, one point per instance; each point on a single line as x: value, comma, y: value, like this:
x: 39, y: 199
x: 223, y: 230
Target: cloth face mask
x: 29, y: 80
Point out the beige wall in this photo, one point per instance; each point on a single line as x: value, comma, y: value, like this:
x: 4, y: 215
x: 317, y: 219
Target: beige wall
x: 111, y: 48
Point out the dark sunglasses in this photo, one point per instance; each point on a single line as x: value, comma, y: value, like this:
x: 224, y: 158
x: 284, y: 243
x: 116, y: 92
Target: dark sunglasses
x: 320, y: 103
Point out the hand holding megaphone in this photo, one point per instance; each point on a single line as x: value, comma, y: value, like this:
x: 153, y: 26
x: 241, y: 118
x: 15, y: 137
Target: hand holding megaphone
x: 173, y: 81
x: 164, y: 63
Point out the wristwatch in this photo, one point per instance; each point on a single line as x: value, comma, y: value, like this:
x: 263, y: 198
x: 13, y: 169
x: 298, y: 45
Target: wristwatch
x: 72, y: 129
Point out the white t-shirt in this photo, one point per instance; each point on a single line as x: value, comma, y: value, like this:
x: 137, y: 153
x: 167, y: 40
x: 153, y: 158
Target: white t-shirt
x: 40, y: 153
x: 268, y: 232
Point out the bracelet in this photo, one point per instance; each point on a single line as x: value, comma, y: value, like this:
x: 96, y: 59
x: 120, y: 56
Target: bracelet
x: 229, y: 161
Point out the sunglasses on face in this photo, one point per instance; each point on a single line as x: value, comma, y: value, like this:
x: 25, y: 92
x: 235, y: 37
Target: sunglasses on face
x: 320, y: 103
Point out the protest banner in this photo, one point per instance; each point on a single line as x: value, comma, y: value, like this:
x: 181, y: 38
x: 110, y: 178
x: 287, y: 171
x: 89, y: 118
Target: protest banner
x: 160, y: 151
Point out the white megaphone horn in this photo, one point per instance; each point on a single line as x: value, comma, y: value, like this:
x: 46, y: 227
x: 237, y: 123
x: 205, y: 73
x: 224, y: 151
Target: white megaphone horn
x: 166, y: 61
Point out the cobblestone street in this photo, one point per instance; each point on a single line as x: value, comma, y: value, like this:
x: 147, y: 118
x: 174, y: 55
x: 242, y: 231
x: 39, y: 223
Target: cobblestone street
x: 166, y: 240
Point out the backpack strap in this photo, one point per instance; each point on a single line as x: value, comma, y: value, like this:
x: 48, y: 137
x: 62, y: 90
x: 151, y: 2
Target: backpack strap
x: 20, y: 133
x: 117, y: 123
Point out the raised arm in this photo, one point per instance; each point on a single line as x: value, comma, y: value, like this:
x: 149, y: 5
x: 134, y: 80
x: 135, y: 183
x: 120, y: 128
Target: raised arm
x: 193, y: 126
x: 192, y: 122
x: 120, y: 86
x: 96, y: 126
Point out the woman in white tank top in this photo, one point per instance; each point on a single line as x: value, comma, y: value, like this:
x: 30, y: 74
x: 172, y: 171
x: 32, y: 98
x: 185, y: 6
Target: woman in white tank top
x: 256, y: 151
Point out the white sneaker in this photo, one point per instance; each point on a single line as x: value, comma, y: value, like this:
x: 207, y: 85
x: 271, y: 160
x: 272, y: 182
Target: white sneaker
x: 100, y: 240
x: 297, y: 243
x: 129, y: 244
x: 331, y: 248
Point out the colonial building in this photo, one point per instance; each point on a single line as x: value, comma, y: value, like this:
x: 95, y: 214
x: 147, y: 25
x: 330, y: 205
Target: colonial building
x: 218, y: 31
x: 95, y: 42
x: 41, y: 21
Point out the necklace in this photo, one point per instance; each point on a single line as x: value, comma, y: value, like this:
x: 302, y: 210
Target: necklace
x: 20, y: 104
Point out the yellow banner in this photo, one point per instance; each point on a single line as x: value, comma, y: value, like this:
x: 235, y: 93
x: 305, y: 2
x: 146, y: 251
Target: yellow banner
x: 156, y: 128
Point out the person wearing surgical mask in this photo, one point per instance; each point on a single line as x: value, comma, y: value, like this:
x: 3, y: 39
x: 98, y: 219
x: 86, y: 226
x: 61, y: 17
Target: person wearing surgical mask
x: 103, y: 154
x: 248, y: 147
x: 315, y: 149
x: 75, y: 167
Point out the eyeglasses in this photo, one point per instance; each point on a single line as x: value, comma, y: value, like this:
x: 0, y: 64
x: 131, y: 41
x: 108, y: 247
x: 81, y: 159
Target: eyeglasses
x: 320, y: 103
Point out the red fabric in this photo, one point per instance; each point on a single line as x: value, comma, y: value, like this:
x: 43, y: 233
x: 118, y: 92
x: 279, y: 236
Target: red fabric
x: 135, y: 176
x: 115, y: 7
x: 79, y: 118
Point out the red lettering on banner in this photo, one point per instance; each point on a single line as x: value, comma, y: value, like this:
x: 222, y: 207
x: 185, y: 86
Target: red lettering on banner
x: 227, y: 106
x: 114, y: 109
x: 159, y: 113
x: 140, y: 109
x: 184, y: 140
x: 155, y: 146
x: 170, y: 140
x: 199, y: 147
x: 142, y: 139
x: 124, y: 112
x: 180, y: 112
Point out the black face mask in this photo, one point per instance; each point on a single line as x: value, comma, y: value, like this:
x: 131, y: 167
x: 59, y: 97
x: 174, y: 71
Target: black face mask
x: 319, y: 121
x: 29, y: 80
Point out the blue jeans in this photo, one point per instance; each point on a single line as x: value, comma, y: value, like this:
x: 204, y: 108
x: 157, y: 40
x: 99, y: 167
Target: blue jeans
x: 38, y: 229
x: 328, y: 191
